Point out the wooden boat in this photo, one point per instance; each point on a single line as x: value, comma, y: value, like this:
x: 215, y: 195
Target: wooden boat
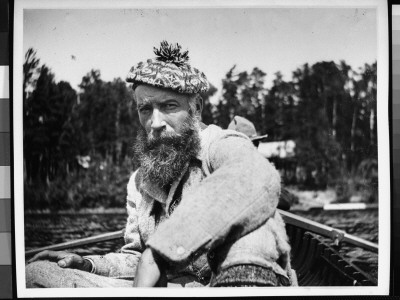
x: 316, y: 258
x: 315, y: 251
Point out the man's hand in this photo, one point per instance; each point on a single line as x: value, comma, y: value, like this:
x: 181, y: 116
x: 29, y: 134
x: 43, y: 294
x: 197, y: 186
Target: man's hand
x: 150, y: 271
x: 64, y: 259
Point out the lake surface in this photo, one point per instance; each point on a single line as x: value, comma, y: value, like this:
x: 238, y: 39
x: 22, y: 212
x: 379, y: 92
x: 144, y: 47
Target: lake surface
x: 49, y: 229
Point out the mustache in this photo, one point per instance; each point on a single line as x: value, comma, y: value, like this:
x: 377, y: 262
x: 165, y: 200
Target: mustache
x: 165, y: 138
x: 176, y: 140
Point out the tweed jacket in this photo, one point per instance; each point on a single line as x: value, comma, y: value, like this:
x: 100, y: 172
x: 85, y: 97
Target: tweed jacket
x: 220, y: 212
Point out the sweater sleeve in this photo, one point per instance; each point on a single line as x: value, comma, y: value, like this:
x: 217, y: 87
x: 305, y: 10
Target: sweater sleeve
x: 123, y: 265
x: 239, y: 195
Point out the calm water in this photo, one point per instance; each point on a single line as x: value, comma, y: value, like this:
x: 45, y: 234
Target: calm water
x: 43, y: 230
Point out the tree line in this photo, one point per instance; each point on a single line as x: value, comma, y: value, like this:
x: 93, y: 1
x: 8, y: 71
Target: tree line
x: 77, y: 144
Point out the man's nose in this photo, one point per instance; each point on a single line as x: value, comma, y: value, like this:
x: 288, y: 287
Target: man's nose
x: 157, y: 120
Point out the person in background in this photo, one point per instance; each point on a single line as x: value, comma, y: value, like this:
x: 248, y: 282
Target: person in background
x: 243, y: 125
x: 201, y: 206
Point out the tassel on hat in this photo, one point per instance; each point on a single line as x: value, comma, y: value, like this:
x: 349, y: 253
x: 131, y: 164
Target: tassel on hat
x: 170, y: 69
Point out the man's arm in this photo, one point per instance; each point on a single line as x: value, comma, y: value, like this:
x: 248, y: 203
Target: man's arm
x: 64, y: 259
x: 123, y: 265
x: 238, y: 196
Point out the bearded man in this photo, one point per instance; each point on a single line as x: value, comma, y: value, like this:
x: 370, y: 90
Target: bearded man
x: 201, y: 207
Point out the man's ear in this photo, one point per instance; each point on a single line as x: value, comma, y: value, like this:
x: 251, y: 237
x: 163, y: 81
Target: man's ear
x: 199, y: 105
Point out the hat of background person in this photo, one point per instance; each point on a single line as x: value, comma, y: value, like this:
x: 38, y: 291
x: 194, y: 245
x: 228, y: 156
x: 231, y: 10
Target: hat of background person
x: 246, y: 127
x: 170, y: 69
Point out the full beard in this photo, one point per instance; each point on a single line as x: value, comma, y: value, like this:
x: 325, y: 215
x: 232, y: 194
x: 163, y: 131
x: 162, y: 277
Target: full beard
x: 163, y: 159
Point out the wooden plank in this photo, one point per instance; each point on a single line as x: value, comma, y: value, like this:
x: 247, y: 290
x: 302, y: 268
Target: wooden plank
x: 80, y: 242
x: 327, y: 231
x: 359, y: 242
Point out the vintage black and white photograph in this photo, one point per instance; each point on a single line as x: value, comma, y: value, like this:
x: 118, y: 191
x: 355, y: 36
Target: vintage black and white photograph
x: 215, y: 149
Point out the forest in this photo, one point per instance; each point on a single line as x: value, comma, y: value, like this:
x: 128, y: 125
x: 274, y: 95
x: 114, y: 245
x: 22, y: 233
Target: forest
x: 78, y: 144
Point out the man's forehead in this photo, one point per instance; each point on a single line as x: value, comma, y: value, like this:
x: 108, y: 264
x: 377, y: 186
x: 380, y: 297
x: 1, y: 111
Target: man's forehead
x: 145, y: 93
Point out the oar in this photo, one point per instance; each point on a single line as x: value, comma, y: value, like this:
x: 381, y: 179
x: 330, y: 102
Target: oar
x: 80, y: 242
x: 327, y: 231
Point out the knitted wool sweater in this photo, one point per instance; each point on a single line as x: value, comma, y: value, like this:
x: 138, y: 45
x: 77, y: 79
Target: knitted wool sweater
x: 220, y: 212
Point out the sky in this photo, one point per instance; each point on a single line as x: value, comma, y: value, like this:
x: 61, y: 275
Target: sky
x: 73, y: 41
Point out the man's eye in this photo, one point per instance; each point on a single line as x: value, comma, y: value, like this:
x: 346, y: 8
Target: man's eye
x: 170, y: 106
x: 144, y: 110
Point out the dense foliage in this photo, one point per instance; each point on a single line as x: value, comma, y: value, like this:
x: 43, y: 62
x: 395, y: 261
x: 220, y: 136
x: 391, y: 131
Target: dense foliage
x: 77, y: 144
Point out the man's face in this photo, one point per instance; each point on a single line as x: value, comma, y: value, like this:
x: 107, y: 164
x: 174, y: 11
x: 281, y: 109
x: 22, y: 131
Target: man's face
x: 169, y: 136
x: 161, y: 111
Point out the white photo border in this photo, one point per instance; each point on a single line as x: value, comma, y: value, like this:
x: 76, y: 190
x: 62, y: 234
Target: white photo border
x: 383, y: 149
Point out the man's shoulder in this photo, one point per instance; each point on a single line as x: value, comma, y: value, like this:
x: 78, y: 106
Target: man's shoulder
x: 214, y: 133
x: 214, y: 139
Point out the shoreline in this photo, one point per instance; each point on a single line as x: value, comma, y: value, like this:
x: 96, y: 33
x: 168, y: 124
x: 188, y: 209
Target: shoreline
x: 307, y: 201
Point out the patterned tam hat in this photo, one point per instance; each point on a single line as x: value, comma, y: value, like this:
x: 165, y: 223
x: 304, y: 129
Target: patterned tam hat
x: 170, y: 69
